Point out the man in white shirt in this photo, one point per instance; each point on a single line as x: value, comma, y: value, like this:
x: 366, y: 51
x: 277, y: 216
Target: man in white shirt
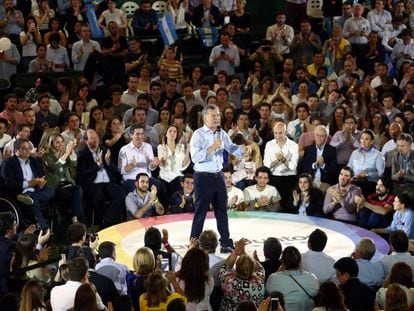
x: 262, y: 197
x: 281, y: 155
x: 62, y: 297
x: 399, y: 244
x: 110, y: 268
x: 235, y: 197
x: 379, y: 18
x: 130, y: 96
x: 204, y: 92
x: 315, y: 260
x: 280, y: 34
x: 403, y: 51
x: 356, y: 30
x: 57, y: 55
x: 392, y: 32
x: 83, y: 48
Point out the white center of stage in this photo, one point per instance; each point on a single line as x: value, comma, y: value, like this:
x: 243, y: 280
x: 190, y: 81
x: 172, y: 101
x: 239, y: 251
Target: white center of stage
x: 255, y: 226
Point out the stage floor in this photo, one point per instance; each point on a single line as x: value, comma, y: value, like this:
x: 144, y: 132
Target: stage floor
x: 255, y: 226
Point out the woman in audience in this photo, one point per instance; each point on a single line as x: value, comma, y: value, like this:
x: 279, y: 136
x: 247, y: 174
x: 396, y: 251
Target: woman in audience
x: 79, y: 106
x: 195, y: 119
x: 32, y: 296
x: 401, y: 275
x: 73, y: 15
x: 396, y: 299
x: 55, y: 27
x: 177, y: 9
x: 58, y: 161
x: 164, y: 120
x: 337, y: 120
x: 26, y: 255
x: 96, y: 121
x: 115, y: 137
x: 175, y: 158
x: 63, y: 86
x: 302, y: 95
x: 229, y: 118
x: 196, y: 76
x: 299, y: 287
x: 144, y: 265
x: 330, y: 298
x: 221, y: 80
x: 43, y: 14
x: 402, y: 121
x: 178, y: 109
x: 403, y: 218
x: 194, y: 280
x: 144, y: 79
x: 85, y: 298
x: 264, y: 92
x: 83, y: 92
x: 246, y: 280
x: 378, y: 125
x: 367, y: 163
x: 29, y: 39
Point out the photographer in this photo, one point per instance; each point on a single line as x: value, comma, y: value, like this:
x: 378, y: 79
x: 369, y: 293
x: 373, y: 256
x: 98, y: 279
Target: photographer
x: 79, y: 239
x: 268, y: 56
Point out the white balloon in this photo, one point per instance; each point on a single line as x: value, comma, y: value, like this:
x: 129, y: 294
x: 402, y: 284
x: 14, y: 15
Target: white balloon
x: 5, y: 44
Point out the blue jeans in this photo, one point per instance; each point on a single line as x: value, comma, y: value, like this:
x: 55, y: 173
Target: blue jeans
x: 211, y: 188
x: 370, y: 220
x: 41, y: 197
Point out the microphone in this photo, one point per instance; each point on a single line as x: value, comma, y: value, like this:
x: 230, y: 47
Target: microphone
x: 217, y: 133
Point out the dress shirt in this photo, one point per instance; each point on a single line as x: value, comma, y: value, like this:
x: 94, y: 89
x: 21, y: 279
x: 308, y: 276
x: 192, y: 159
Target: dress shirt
x: 360, y: 25
x: 346, y: 203
x: 370, y: 273
x: 402, y: 48
x: 134, y: 202
x: 150, y: 134
x: 62, y: 297
x: 404, y: 222
x: 388, y: 261
x: 120, y: 281
x: 369, y: 161
x: 275, y: 32
x: 27, y: 175
x: 201, y: 99
x: 294, y: 129
x: 291, y: 151
x: 143, y: 157
x: 390, y: 32
x: 130, y: 98
x: 379, y: 21
x: 225, y: 65
x: 344, y: 148
x: 213, y: 162
x: 87, y: 48
x: 174, y: 166
x: 320, y: 264
x: 102, y: 175
x: 57, y: 56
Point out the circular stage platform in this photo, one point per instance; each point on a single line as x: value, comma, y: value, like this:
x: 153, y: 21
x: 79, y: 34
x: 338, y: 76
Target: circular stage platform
x: 255, y: 226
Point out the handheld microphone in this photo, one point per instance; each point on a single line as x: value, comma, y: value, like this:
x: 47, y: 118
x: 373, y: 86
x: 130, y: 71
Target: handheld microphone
x: 217, y: 133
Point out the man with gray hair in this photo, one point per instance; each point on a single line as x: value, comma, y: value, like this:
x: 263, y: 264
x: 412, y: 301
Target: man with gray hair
x: 207, y: 146
x: 319, y: 160
x: 402, y: 169
x: 370, y: 273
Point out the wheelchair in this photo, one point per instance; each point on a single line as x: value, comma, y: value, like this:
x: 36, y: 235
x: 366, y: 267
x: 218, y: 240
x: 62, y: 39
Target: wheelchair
x: 24, y: 215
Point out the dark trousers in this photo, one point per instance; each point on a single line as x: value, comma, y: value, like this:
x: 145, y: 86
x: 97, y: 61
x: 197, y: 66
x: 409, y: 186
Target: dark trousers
x: 97, y: 194
x: 211, y: 188
x: 370, y: 220
x: 285, y: 186
x: 41, y: 197
x: 72, y: 195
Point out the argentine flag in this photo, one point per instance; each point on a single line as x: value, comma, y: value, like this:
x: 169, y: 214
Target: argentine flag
x: 167, y: 30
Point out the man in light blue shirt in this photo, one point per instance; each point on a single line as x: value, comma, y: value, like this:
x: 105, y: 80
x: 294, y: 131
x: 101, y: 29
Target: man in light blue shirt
x: 370, y: 273
x: 224, y: 56
x: 207, y: 146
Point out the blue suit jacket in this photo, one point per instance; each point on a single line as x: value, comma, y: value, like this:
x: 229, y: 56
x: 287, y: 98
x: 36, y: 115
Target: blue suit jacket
x: 329, y: 174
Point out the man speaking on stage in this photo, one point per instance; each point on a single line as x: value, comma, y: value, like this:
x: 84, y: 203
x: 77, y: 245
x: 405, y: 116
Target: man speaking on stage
x: 206, y: 147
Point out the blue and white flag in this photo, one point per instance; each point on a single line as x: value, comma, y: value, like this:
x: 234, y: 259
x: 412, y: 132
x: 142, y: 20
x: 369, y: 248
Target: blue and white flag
x: 167, y: 30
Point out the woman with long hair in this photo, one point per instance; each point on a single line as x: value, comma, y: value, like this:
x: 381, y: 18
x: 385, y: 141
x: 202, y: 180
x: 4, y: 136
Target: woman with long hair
x: 196, y: 76
x: 246, y: 280
x: 264, y: 92
x: 144, y: 79
x: 378, y: 124
x: 194, y: 279
x: 26, y: 255
x: 32, y: 296
x: 175, y: 158
x: 79, y: 106
x: 157, y: 296
x: 115, y: 137
x: 55, y: 27
x: 229, y: 117
x: 64, y: 86
x: 178, y: 109
x: 337, y: 120
x: 221, y: 82
x: 302, y: 95
x: 401, y: 275
x: 195, y: 120
x: 330, y: 298
x: 85, y: 298
x: 58, y: 161
x: 43, y: 14
x: 396, y: 299
x: 112, y: 14
x: 29, y: 39
x: 96, y: 121
x: 177, y: 10
x: 164, y: 120
x: 297, y: 286
x: 84, y: 93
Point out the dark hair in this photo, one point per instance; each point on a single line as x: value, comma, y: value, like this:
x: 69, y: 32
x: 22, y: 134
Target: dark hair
x: 302, y: 105
x: 74, y: 105
x: 32, y: 295
x: 7, y: 220
x: 347, y: 265
x: 54, y: 37
x: 40, y: 45
x: 30, y: 17
x: 331, y: 297
x: 399, y: 240
x: 406, y: 137
x: 176, y: 304
x: 401, y: 273
x: 78, y: 267
x: 370, y: 133
x: 106, y: 249
x: 348, y: 169
x: 115, y: 88
x: 272, y: 248
x: 76, y: 232
x: 291, y: 258
x: 122, y: 303
x: 92, y: 121
x: 10, y: 95
x: 139, y: 175
x: 85, y: 298
x: 317, y: 240
x: 152, y: 239
x: 195, y: 274
x: 246, y: 305
x: 263, y: 169
x: 19, y: 142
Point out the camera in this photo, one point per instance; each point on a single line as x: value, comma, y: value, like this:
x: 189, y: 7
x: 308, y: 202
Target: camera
x: 90, y: 237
